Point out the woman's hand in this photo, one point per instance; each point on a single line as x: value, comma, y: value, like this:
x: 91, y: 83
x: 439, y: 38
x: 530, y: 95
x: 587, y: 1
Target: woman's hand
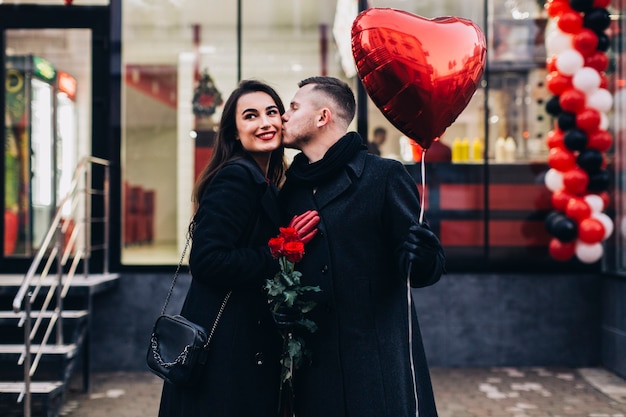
x: 306, y: 225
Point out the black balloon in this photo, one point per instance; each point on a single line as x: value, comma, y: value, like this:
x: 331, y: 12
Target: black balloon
x: 581, y: 5
x: 597, y: 20
x: 566, y: 121
x: 598, y: 182
x: 604, y: 42
x: 565, y: 229
x: 575, y: 140
x: 551, y: 220
x: 590, y: 160
x: 553, y: 106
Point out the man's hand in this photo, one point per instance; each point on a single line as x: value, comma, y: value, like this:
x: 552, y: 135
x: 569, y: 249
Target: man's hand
x: 306, y: 225
x: 420, y: 249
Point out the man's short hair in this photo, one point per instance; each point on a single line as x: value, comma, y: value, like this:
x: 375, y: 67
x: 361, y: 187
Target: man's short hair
x: 338, y: 91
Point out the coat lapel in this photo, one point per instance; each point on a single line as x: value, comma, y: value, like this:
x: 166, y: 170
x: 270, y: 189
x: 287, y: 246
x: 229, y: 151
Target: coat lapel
x: 329, y: 192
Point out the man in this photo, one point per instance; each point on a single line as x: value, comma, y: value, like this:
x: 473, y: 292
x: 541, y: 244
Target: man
x: 379, y: 137
x: 367, y: 358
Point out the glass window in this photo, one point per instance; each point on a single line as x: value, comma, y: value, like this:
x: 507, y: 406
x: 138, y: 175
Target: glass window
x: 172, y: 98
x: 486, y: 199
x: 48, y: 128
x: 59, y: 2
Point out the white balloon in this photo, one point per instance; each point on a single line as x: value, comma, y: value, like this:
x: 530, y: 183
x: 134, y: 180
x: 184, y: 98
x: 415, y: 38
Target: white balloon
x: 595, y: 202
x: 601, y: 100
x: 623, y: 226
x: 569, y: 61
x: 553, y: 180
x: 604, y: 121
x: 557, y: 42
x: 606, y: 222
x: 588, y: 253
x: 586, y: 79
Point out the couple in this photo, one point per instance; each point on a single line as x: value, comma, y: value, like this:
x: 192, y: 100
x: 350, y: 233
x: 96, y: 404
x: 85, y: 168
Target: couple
x: 367, y: 355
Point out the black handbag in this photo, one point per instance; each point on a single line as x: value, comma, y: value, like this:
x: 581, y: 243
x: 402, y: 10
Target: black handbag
x: 179, y: 348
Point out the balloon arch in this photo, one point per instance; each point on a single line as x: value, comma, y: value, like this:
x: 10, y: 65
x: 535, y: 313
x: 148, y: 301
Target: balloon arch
x: 576, y: 43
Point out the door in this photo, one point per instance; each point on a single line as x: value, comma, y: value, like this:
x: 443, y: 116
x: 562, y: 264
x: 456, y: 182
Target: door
x: 51, y: 59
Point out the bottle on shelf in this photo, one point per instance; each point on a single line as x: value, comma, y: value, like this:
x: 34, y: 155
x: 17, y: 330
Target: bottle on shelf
x: 465, y: 150
x: 457, y: 150
x: 510, y: 148
x: 477, y: 150
x: 500, y: 153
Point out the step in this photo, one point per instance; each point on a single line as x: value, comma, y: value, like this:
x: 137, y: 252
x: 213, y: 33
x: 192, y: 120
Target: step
x: 39, y: 387
x: 66, y: 314
x: 68, y: 350
x: 93, y: 283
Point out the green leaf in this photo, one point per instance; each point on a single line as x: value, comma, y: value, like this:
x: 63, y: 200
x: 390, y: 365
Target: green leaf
x: 290, y: 297
x: 308, y: 324
x: 306, y: 306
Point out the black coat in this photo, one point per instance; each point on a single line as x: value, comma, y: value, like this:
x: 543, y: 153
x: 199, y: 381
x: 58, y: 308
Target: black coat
x: 361, y: 364
x: 236, y: 218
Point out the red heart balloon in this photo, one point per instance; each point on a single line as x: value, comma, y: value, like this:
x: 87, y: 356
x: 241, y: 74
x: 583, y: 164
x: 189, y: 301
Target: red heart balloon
x: 421, y: 73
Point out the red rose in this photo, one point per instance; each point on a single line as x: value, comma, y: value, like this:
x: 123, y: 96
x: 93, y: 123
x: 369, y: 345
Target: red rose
x: 276, y: 246
x: 293, y: 251
x: 290, y: 234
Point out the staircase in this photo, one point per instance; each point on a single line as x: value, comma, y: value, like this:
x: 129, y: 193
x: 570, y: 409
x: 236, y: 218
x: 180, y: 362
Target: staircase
x: 45, y: 313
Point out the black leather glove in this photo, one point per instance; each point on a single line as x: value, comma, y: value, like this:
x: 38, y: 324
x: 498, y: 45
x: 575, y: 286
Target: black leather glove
x: 286, y: 318
x: 420, y: 250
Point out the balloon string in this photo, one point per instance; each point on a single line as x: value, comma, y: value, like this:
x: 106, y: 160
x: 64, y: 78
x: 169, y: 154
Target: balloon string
x: 423, y: 196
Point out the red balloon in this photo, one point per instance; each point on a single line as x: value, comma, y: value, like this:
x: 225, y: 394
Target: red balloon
x: 559, y: 199
x: 606, y: 198
x: 557, y: 83
x: 421, y: 73
x: 561, y: 251
x: 572, y: 100
x: 597, y: 60
x: 600, y: 140
x: 585, y: 41
x: 575, y: 180
x: 561, y: 159
x: 570, y: 21
x: 554, y: 139
x: 577, y: 209
x: 588, y: 120
x: 551, y: 63
x: 555, y: 8
x: 591, y: 230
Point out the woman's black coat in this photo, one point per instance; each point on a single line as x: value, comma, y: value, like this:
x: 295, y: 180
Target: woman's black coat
x: 236, y: 217
x: 361, y: 362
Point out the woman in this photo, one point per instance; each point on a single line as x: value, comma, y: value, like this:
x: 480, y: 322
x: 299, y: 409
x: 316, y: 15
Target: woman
x: 236, y: 214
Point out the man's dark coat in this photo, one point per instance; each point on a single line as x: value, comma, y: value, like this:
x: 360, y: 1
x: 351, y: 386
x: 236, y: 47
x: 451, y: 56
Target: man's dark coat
x: 361, y: 357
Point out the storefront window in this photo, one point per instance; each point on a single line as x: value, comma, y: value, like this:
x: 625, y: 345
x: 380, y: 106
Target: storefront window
x: 485, y: 196
x: 168, y: 128
x: 47, y: 128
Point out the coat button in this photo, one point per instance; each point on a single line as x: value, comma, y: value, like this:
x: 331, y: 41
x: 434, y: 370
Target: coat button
x: 324, y: 269
x: 258, y: 358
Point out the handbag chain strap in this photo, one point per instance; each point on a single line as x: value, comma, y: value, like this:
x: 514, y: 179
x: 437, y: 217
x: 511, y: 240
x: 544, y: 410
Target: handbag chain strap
x: 171, y: 290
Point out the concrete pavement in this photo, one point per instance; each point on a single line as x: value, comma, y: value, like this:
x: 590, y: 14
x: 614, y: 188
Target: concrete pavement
x: 460, y: 392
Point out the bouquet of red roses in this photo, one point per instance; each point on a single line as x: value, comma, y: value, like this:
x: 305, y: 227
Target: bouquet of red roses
x: 284, y: 291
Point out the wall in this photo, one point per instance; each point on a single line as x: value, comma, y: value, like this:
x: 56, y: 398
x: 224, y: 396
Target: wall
x: 614, y: 325
x: 466, y: 320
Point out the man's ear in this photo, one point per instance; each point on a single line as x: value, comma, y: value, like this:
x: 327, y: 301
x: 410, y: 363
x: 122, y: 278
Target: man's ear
x: 324, y: 117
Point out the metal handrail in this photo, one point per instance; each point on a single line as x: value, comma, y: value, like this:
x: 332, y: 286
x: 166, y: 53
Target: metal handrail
x: 51, y: 250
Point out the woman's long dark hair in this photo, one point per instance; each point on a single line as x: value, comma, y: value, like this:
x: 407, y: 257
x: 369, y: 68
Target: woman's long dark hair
x: 227, y: 148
